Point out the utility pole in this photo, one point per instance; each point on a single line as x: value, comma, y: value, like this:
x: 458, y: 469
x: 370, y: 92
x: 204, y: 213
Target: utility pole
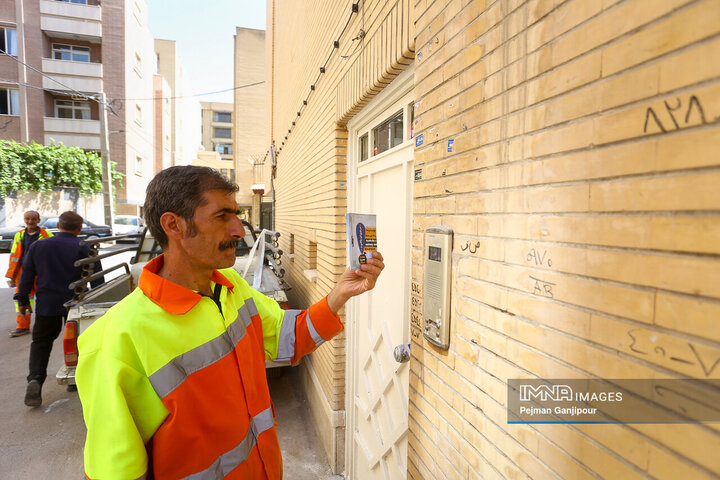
x: 105, y: 153
x: 22, y: 72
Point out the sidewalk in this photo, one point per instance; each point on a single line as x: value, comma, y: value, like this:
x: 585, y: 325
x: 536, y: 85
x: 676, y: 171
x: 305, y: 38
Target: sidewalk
x: 303, y: 456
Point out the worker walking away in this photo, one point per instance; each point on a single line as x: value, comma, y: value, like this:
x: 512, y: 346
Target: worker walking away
x: 21, y: 243
x: 50, y: 266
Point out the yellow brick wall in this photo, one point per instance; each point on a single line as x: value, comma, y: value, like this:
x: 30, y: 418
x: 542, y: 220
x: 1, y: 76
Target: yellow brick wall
x: 310, y: 187
x: 585, y: 154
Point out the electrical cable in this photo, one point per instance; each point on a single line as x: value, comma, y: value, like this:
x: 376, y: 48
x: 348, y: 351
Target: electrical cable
x: 194, y: 95
x: 76, y: 93
x: 110, y: 108
x: 29, y: 85
x: 96, y: 99
x: 79, y: 94
x: 336, y: 46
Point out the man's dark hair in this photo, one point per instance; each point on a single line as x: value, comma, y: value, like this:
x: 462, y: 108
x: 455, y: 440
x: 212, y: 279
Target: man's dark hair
x: 180, y: 190
x: 70, y: 221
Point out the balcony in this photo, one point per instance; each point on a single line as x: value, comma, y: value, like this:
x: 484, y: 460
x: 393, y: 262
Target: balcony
x: 80, y: 76
x: 73, y: 133
x: 70, y: 20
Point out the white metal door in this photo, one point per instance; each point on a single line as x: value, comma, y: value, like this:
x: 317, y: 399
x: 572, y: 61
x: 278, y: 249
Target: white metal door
x: 377, y: 397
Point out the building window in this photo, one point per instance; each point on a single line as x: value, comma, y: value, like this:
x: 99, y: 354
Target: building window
x: 223, y: 117
x: 138, y: 115
x: 364, y: 147
x: 80, y: 2
x: 70, y: 52
x: 72, y: 109
x: 232, y: 174
x: 8, y: 40
x: 411, y: 123
x: 312, y: 256
x: 222, y: 133
x: 388, y: 134
x: 138, y: 64
x: 137, y: 13
x: 223, y: 171
x: 9, y: 101
x: 138, y: 165
x: 223, y: 148
x: 292, y: 247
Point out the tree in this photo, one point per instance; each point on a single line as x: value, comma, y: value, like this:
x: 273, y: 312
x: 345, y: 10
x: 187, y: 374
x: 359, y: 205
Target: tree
x: 40, y: 168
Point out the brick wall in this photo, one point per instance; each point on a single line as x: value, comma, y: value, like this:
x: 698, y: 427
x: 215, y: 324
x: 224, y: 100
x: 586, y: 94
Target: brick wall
x: 584, y: 201
x: 311, y: 165
x: 113, y: 60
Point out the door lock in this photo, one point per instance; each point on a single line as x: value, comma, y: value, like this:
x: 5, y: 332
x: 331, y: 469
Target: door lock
x: 402, y: 353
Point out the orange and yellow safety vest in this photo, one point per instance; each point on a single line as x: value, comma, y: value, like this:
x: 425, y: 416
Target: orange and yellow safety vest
x: 16, y: 253
x: 173, y: 384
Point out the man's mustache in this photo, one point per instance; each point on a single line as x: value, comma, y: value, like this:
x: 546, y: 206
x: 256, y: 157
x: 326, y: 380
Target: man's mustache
x: 229, y: 244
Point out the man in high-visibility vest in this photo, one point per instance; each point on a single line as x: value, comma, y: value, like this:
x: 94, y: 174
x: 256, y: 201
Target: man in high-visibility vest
x: 172, y: 378
x: 21, y: 243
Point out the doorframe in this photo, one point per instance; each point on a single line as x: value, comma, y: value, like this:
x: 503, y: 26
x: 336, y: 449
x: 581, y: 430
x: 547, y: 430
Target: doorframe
x: 398, y: 94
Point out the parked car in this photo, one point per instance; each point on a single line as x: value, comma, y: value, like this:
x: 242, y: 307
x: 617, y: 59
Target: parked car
x: 6, y: 237
x: 128, y: 225
x: 88, y: 229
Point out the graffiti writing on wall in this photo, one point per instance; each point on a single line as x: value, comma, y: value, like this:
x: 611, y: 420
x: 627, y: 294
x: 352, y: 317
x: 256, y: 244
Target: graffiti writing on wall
x: 645, y: 342
x: 674, y: 120
x: 537, y: 258
x: 416, y: 312
x: 542, y: 287
x: 469, y: 247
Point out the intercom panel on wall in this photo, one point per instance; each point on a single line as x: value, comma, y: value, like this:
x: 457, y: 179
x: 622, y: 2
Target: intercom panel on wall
x: 437, y: 265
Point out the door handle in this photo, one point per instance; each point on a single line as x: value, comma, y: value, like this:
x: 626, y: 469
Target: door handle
x: 402, y: 353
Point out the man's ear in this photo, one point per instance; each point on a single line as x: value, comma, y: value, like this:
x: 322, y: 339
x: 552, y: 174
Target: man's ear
x: 173, y: 225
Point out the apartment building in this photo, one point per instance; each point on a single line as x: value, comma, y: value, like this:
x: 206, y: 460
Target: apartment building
x: 571, y: 147
x: 250, y: 141
x: 162, y: 109
x: 217, y: 134
x: 185, y: 117
x: 63, y: 54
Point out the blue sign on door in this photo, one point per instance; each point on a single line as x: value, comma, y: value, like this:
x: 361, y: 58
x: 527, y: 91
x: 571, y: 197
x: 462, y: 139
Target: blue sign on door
x: 419, y: 140
x: 450, y: 145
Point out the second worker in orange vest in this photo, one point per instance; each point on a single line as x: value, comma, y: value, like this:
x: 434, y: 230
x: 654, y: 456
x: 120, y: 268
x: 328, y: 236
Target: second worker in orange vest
x: 172, y: 378
x: 21, y: 243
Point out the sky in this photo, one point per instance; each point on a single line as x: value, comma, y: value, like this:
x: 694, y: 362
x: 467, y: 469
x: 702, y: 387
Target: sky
x: 204, y: 33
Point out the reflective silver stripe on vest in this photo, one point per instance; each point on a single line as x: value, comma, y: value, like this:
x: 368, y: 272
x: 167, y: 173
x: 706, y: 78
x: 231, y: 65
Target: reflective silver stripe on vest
x: 144, y: 477
x: 228, y: 461
x: 286, y: 341
x: 313, y: 333
x: 251, y: 308
x: 277, y: 363
x: 174, y: 373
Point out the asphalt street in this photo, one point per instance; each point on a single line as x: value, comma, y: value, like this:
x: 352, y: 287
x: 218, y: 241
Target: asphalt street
x: 42, y: 442
x: 47, y: 441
